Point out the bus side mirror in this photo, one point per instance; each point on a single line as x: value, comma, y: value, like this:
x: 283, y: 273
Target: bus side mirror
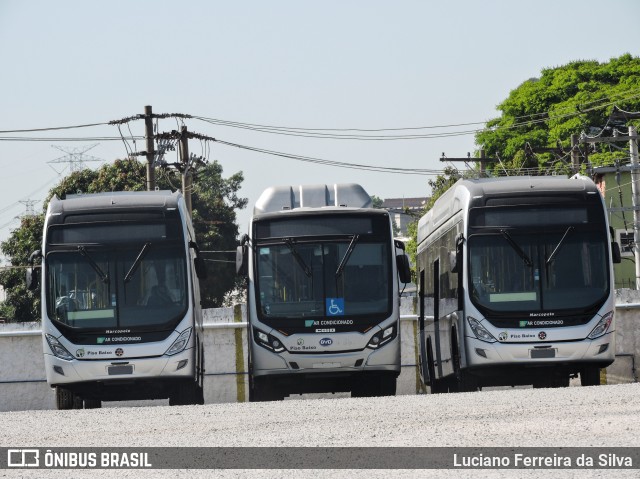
x: 200, y: 266
x: 32, y: 275
x: 32, y: 279
x: 198, y: 262
x: 616, y: 257
x: 455, y: 257
x: 404, y: 269
x: 241, y: 260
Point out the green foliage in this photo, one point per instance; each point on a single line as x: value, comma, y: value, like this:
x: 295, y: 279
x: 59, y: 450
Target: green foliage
x: 214, y: 201
x: 565, y: 100
x: 21, y: 304
x: 376, y: 201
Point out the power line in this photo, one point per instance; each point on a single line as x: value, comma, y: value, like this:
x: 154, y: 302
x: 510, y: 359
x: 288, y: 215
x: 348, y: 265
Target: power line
x: 334, y: 133
x: 54, y: 128
x: 339, y: 164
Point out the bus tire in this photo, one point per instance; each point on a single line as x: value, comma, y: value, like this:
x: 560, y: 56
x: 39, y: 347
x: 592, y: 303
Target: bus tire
x: 187, y: 393
x: 92, y: 404
x: 264, y: 390
x: 590, y: 376
x: 388, y: 385
x: 462, y: 381
x: 553, y: 381
x: 66, y: 399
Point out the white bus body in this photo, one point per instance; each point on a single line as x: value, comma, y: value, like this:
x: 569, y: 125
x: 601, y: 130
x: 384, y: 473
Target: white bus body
x: 515, y: 284
x: 121, y: 314
x: 323, y: 289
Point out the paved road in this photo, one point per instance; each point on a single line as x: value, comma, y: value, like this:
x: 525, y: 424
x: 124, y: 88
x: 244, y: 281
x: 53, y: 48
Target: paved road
x: 605, y: 416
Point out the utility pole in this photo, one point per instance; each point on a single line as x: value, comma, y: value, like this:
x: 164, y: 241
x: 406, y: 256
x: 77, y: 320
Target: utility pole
x: 483, y: 160
x: 575, y: 154
x: 635, y: 190
x: 148, y: 133
x: 186, y: 167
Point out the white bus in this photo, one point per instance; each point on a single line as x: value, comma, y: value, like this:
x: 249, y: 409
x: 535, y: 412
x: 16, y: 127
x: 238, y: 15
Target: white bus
x: 515, y: 283
x: 324, y: 273
x: 121, y: 314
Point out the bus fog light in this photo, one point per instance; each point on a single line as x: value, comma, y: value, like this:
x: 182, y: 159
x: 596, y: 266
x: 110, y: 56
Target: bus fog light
x: 481, y: 352
x: 182, y: 364
x: 602, y: 327
x: 59, y: 370
x: 58, y: 349
x: 180, y: 343
x: 480, y: 331
x: 603, y: 348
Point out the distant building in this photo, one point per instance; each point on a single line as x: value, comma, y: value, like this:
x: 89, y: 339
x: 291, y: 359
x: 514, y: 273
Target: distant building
x: 404, y: 211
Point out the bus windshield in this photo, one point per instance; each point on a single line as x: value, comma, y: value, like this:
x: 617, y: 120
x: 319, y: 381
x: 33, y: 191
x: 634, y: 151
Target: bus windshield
x: 312, y: 279
x: 526, y: 271
x: 139, y: 286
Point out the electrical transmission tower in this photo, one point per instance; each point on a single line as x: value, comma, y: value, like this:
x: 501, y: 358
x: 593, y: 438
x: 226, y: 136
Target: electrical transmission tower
x: 75, y: 157
x: 29, y: 211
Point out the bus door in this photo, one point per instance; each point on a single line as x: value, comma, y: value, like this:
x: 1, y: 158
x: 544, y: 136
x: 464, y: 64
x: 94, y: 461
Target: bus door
x: 436, y: 315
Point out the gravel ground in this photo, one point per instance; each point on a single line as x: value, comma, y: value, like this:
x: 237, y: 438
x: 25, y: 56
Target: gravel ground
x: 606, y: 416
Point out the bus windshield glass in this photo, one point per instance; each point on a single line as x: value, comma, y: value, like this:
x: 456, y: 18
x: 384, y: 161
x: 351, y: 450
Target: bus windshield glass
x: 334, y: 266
x: 135, y: 285
x: 538, y: 269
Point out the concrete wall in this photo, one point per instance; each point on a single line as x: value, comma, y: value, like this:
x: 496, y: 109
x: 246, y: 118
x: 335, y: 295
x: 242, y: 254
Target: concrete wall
x: 23, y: 385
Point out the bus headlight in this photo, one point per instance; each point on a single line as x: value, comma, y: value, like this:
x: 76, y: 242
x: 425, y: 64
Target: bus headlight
x: 480, y: 331
x: 602, y: 326
x: 382, y: 337
x: 58, y: 349
x: 180, y: 343
x: 267, y: 341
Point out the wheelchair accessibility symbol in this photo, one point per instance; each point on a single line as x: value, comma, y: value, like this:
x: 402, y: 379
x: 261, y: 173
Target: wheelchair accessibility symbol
x: 335, y: 306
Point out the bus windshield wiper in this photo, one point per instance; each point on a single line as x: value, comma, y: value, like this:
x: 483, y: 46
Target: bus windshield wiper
x: 298, y: 258
x: 517, y: 248
x: 83, y: 252
x: 137, y: 262
x: 347, y: 254
x: 557, y: 248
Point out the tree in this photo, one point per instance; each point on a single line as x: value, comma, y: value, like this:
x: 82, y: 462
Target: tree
x: 546, y: 111
x: 215, y: 201
x: 376, y: 202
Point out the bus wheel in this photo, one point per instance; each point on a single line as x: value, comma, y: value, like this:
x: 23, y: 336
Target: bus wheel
x: 556, y: 381
x: 65, y: 399
x: 92, y: 404
x: 590, y: 376
x: 186, y: 393
x: 264, y: 390
x: 462, y: 380
x: 388, y: 385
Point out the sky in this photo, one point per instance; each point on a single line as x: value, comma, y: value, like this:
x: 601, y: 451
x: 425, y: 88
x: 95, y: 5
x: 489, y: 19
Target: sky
x: 330, y: 64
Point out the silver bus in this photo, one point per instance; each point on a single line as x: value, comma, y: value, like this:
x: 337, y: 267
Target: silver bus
x: 323, y: 273
x: 121, y: 314
x: 515, y: 284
